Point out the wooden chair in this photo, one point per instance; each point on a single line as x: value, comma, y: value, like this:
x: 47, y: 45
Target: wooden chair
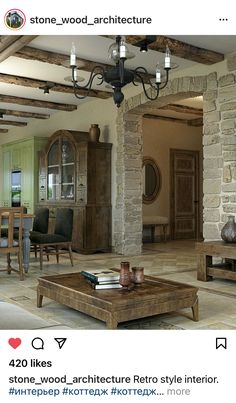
x: 11, y: 240
x: 60, y: 241
x: 40, y: 226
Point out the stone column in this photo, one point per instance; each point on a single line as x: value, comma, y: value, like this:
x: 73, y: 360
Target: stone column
x: 227, y: 106
x: 212, y: 162
x: 128, y: 212
x: 219, y: 152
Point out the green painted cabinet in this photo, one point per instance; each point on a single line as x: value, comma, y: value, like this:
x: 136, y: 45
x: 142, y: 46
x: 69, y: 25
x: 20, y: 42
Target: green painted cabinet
x: 28, y: 178
x: 21, y: 156
x: 17, y: 156
x: 5, y: 194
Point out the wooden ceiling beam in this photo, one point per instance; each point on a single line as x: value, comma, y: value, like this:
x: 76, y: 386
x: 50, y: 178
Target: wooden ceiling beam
x: 192, y: 122
x: 182, y: 109
x: 37, y: 103
x: 15, y: 45
x: 3, y: 130
x: 24, y: 114
x: 11, y: 123
x: 195, y: 122
x: 59, y: 59
x: 7, y: 40
x: 178, y: 49
x: 167, y: 118
x: 66, y: 89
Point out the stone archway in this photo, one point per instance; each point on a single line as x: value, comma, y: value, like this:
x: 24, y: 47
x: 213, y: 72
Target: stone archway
x: 127, y: 217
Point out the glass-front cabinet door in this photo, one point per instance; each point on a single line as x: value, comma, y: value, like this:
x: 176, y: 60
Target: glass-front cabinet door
x: 67, y: 170
x: 53, y: 181
x: 61, y: 171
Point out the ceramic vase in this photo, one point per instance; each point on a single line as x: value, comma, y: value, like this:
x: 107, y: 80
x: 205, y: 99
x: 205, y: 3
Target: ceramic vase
x: 125, y: 275
x: 94, y: 132
x: 228, y: 232
x: 137, y: 275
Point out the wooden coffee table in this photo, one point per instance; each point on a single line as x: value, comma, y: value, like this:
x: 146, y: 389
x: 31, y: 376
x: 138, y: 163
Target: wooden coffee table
x: 154, y: 296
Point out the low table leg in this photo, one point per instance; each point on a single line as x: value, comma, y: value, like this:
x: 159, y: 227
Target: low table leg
x: 203, y: 262
x: 112, y: 323
x: 195, y: 311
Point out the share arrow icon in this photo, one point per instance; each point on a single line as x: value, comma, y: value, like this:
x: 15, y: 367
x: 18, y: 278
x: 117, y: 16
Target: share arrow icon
x: 61, y: 341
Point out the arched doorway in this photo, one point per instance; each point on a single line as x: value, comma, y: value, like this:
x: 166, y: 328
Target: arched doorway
x: 127, y: 221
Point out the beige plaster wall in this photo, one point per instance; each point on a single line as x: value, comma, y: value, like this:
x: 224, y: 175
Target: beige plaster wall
x: 98, y: 111
x: 159, y: 137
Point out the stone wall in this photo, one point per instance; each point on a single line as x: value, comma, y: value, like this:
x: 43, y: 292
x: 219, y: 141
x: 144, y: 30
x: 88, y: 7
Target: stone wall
x: 127, y: 223
x: 219, y: 151
x: 127, y: 216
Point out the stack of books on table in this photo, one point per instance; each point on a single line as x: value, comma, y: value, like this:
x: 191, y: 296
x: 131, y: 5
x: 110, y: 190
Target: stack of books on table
x: 101, y: 279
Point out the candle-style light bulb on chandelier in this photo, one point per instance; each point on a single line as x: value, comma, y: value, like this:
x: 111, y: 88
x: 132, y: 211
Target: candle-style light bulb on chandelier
x: 118, y: 76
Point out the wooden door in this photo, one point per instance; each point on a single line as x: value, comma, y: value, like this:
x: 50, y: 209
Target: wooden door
x: 184, y: 194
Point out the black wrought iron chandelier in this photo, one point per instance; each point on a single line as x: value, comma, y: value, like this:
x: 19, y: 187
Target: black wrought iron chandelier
x: 118, y: 76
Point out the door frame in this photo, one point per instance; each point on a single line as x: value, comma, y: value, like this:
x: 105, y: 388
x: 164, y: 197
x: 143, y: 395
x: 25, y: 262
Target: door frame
x: 196, y: 154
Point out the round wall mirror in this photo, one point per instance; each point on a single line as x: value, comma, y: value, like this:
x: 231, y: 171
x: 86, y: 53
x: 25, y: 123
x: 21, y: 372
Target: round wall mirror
x: 151, y: 180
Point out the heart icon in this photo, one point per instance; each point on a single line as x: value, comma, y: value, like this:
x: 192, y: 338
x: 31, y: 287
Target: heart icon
x: 14, y: 343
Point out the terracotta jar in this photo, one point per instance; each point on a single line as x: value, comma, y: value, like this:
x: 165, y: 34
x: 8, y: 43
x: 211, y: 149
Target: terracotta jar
x: 125, y: 274
x: 94, y: 132
x: 137, y: 275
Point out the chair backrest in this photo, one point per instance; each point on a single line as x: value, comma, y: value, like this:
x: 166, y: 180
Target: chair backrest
x: 40, y: 223
x: 11, y: 218
x: 64, y: 222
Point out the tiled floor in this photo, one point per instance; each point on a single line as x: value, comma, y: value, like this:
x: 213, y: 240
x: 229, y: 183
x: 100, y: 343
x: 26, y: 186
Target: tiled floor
x: 172, y: 260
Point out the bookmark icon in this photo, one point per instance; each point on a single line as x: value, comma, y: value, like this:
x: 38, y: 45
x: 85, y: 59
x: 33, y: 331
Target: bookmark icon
x: 221, y: 342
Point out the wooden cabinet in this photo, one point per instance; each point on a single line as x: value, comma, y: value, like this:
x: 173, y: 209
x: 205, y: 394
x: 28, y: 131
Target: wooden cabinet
x: 61, y: 166
x: 23, y: 157
x: 75, y: 172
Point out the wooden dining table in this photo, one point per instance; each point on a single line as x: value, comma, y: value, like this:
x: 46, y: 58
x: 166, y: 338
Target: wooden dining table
x: 27, y: 226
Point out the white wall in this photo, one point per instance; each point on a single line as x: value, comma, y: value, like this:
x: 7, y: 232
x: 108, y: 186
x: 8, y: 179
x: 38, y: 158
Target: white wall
x: 98, y: 111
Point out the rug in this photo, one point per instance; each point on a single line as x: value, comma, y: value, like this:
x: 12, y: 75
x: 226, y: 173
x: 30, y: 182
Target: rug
x: 153, y: 323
